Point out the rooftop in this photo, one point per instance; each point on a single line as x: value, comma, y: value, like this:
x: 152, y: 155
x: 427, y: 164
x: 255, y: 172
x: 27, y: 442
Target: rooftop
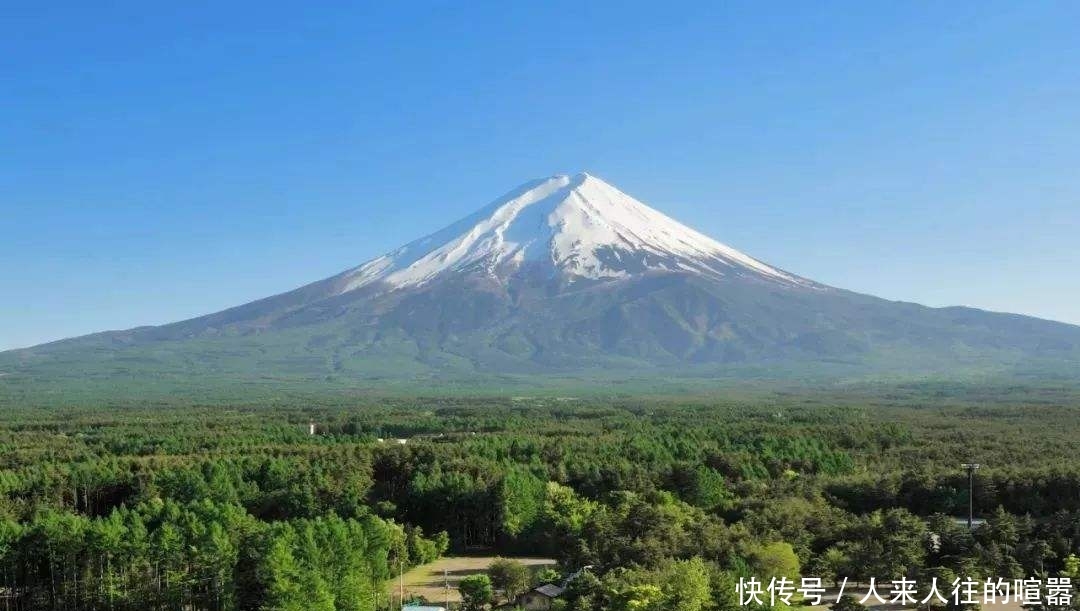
x: 550, y: 590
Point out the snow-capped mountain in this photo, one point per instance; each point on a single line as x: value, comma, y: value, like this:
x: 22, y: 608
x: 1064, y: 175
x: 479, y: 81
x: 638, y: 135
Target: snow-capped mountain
x: 565, y: 275
x: 577, y: 226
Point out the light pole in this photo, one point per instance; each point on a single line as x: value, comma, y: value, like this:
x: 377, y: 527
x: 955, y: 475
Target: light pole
x: 971, y: 468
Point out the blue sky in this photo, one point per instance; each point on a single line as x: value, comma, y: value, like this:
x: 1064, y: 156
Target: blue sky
x: 159, y: 162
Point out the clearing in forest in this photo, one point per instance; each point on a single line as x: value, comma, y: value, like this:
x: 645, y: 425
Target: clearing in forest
x: 429, y: 580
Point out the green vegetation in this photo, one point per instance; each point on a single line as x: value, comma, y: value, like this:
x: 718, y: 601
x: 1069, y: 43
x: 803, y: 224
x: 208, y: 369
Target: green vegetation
x: 228, y: 507
x: 476, y: 592
x: 510, y: 577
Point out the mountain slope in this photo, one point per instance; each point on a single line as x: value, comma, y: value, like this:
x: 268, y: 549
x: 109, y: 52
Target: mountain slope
x: 562, y: 276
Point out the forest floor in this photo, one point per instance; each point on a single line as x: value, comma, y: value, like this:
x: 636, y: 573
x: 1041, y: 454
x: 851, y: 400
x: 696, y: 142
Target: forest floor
x: 430, y: 580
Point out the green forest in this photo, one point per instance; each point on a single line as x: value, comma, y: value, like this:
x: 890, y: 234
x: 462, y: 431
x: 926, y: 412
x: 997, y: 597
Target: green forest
x: 318, y: 503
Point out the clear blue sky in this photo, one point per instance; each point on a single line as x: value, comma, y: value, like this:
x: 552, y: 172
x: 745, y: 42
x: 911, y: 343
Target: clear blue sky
x: 164, y: 160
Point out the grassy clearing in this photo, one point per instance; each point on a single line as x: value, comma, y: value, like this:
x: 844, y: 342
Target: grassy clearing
x: 429, y: 580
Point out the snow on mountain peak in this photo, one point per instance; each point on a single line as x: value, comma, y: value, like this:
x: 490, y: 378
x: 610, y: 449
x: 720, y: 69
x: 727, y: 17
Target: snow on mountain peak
x: 578, y: 226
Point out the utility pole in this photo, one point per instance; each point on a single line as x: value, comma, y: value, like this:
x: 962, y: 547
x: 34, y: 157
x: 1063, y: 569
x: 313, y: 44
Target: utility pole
x: 401, y: 582
x: 446, y: 584
x: 971, y: 468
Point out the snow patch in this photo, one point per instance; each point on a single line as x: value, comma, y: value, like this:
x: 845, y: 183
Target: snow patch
x: 566, y: 223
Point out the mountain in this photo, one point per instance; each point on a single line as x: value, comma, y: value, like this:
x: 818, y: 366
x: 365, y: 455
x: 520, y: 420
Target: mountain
x: 564, y: 276
x: 571, y: 228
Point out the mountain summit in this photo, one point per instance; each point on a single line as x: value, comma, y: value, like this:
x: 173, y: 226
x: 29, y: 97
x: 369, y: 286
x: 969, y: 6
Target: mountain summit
x: 579, y: 227
x: 563, y: 276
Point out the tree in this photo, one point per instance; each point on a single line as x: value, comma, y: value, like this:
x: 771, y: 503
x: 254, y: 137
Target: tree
x: 685, y: 584
x: 723, y: 585
x: 847, y: 602
x: 510, y: 576
x: 547, y: 575
x: 775, y: 560
x: 281, y: 573
x: 645, y: 597
x: 521, y: 500
x: 833, y: 564
x: 476, y: 592
x: 886, y: 544
x: 1072, y: 567
x: 701, y: 486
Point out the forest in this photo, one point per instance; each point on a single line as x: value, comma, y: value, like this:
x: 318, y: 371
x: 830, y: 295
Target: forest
x: 317, y: 503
